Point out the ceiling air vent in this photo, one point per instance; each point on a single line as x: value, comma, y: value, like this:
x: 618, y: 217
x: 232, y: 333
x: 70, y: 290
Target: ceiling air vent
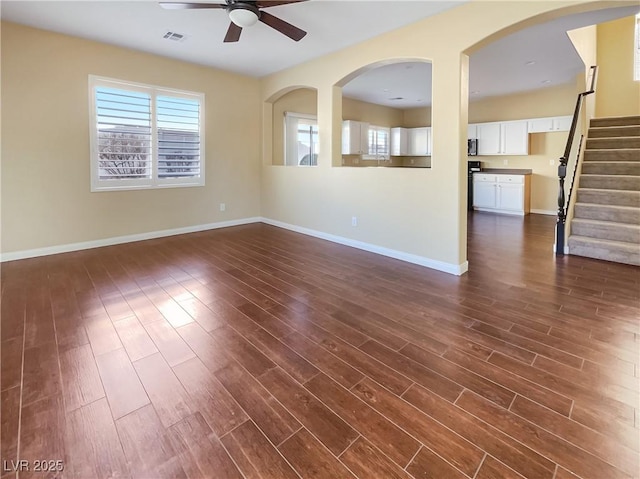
x: 176, y: 37
x: 396, y: 98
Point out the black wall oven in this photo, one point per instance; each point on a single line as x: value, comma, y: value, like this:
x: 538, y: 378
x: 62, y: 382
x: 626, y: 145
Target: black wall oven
x: 473, y: 166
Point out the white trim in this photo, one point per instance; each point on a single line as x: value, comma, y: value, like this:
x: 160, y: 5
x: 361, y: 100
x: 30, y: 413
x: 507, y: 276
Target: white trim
x: 65, y: 248
x: 566, y: 248
x: 401, y: 255
x: 544, y: 212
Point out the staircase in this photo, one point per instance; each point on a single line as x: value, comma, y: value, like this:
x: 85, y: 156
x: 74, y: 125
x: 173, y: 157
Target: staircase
x: 606, y: 220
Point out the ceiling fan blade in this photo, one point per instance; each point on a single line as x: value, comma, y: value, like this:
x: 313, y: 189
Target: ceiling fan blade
x: 233, y: 33
x: 283, y: 27
x: 275, y: 3
x: 190, y: 6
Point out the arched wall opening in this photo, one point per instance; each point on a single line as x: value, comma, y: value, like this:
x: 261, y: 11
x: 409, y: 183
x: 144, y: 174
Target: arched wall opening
x: 295, y: 135
x: 386, y: 114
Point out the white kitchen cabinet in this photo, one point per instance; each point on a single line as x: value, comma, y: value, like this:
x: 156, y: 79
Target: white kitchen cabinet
x: 355, y: 137
x: 543, y: 125
x: 498, y: 193
x: 399, y: 141
x: 419, y: 141
x: 472, y: 131
x: 503, y: 138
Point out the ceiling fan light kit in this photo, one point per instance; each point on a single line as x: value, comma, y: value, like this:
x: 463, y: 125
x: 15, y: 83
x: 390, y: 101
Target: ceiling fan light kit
x: 243, y: 14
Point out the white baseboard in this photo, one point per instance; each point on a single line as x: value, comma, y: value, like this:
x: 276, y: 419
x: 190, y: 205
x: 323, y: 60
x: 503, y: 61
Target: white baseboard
x: 401, y: 255
x: 456, y: 269
x: 65, y: 248
x: 545, y: 212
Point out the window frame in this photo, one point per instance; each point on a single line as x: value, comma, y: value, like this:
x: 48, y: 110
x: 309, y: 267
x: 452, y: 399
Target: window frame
x: 287, y: 133
x: 154, y: 182
x: 376, y: 156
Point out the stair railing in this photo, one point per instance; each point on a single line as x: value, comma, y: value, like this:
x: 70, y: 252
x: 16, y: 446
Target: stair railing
x: 564, y: 160
x: 575, y: 170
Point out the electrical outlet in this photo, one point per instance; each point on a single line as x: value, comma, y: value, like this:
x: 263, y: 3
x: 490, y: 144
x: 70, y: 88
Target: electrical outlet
x: 506, y: 162
x: 552, y: 162
x: 354, y: 221
x: 223, y: 207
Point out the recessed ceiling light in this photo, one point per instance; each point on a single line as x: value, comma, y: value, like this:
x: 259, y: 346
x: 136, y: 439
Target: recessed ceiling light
x: 546, y: 81
x: 475, y: 92
x: 385, y: 89
x: 529, y: 63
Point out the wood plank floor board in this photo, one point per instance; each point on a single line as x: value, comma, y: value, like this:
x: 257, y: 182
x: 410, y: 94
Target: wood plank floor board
x: 94, y: 448
x: 255, y: 456
x: 80, y: 378
x: 377, y: 429
x: 135, y: 338
x: 275, y: 421
x: 497, y: 443
x: 443, y: 441
x: 9, y: 423
x: 146, y: 444
x: 365, y: 460
x: 209, y: 397
x: 169, y: 398
x: 321, y: 421
x: 311, y: 459
x: 256, y: 352
x: 200, y: 451
x: 172, y: 346
x: 122, y: 386
x: 562, y: 452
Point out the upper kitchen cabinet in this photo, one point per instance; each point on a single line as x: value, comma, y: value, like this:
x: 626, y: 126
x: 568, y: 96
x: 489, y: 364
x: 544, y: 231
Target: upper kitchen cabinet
x: 503, y: 138
x: 399, y: 141
x: 355, y: 137
x: 419, y: 141
x: 543, y: 125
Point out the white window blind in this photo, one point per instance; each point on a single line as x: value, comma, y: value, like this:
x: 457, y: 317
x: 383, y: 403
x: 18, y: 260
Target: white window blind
x: 379, y: 138
x: 144, y: 136
x: 300, y: 139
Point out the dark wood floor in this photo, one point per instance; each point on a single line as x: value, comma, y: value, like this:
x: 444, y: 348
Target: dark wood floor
x: 260, y: 353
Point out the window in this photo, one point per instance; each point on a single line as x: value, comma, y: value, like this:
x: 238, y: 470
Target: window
x: 378, y: 143
x: 144, y: 136
x: 300, y: 139
x: 636, y: 50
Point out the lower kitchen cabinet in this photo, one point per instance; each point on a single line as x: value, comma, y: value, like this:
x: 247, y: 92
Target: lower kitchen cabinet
x: 508, y: 194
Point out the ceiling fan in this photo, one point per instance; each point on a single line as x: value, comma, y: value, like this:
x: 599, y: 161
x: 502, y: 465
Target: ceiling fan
x: 245, y: 13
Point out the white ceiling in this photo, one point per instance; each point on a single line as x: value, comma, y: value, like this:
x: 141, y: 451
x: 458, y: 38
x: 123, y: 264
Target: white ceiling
x: 500, y: 68
x: 331, y: 26
x: 497, y: 69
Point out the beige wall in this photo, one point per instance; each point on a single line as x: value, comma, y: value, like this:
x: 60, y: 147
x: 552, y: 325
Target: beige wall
x: 551, y: 101
x: 300, y: 100
x: 46, y: 198
x: 378, y: 115
x: 416, y: 117
x: 617, y: 94
x: 420, y: 213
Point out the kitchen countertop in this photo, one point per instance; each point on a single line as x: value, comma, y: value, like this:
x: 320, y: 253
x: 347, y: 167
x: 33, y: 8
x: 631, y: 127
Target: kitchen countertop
x: 506, y: 171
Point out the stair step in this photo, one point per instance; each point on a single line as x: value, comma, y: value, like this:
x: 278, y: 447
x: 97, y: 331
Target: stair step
x: 629, y: 168
x: 611, y: 182
x: 614, y: 131
x: 617, y: 251
x: 620, y: 154
x: 605, y: 212
x: 613, y: 143
x: 609, y: 230
x: 609, y: 197
x: 615, y: 121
